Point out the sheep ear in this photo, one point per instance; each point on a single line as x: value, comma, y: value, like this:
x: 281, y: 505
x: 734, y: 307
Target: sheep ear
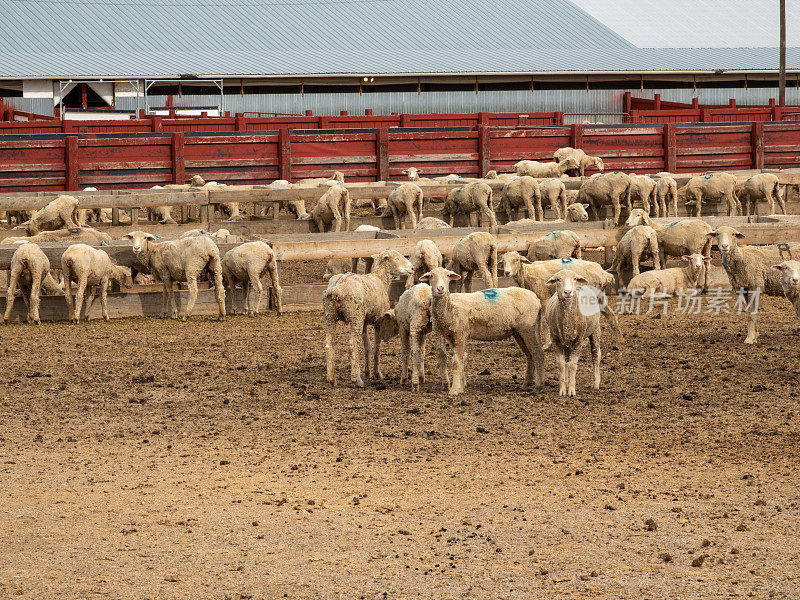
x: 453, y: 276
x: 738, y: 234
x: 525, y: 259
x: 707, y: 258
x: 552, y: 281
x: 404, y: 171
x: 426, y: 276
x: 150, y: 236
x: 585, y: 206
x: 779, y: 267
x: 711, y: 234
x: 127, y: 236
x: 686, y: 257
x: 580, y: 279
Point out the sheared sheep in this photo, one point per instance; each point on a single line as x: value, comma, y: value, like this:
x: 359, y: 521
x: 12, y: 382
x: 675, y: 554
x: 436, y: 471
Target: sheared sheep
x: 413, y: 317
x: 494, y: 175
x: 666, y: 194
x: 405, y: 199
x: 670, y: 281
x: 247, y: 264
x: 359, y: 301
x: 330, y: 208
x: 162, y: 214
x: 92, y: 268
x: 632, y: 247
x: 763, y: 186
x: 644, y: 188
x: 603, y: 189
x: 336, y: 177
x: 579, y: 158
x: 431, y: 223
x: 424, y: 257
x: 30, y: 269
x: 413, y: 173
x: 489, y: 315
x: 337, y: 266
x: 576, y: 213
x: 522, y: 192
x: 554, y: 191
x: 219, y: 234
x: 475, y: 197
x: 181, y: 260
x: 555, y: 244
x: 711, y: 186
x: 534, y: 168
x: 475, y: 252
x: 570, y: 326
x: 77, y: 234
x: 790, y: 282
x: 60, y: 213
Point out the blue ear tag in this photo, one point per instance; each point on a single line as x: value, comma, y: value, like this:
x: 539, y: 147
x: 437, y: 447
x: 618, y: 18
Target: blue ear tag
x: 566, y: 261
x: 490, y: 295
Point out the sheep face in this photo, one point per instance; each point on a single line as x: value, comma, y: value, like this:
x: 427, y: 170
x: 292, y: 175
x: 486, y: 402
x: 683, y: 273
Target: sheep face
x: 577, y: 212
x: 197, y: 181
x: 124, y: 277
x: 726, y: 238
x: 491, y: 175
x: 413, y: 173
x: 139, y: 239
x: 398, y: 264
x: 696, y: 261
x: 599, y: 164
x: 637, y: 217
x: 512, y: 263
x: 338, y: 176
x: 565, y: 283
x: 439, y: 279
x: 386, y: 327
x: 790, y: 274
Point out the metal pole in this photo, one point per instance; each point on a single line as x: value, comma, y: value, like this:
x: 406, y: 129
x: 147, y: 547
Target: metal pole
x: 782, y: 80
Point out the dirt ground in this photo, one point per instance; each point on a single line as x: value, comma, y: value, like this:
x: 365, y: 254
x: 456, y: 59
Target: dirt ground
x: 146, y: 458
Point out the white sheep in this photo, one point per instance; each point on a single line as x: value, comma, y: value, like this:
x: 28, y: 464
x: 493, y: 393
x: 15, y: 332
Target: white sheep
x: 644, y: 188
x: 555, y: 244
x: 475, y: 197
x: 711, y: 186
x: 30, y: 269
x: 672, y: 280
x: 522, y: 192
x: 181, y: 260
x: 413, y: 173
x: 579, y: 158
x: 534, y: 168
x: 488, y: 315
x: 60, y: 213
x: 576, y: 213
x: 431, y: 223
x: 555, y: 192
x: 494, y: 175
x: 666, y: 194
x: 337, y: 266
x: 359, y: 301
x: 425, y: 257
x: 790, y: 282
x: 247, y: 264
x: 602, y: 189
x: 632, y: 247
x: 92, y: 268
x: 405, y: 199
x: 78, y: 234
x: 475, y: 252
x: 331, y: 209
x: 336, y: 177
x: 571, y: 326
x: 763, y: 186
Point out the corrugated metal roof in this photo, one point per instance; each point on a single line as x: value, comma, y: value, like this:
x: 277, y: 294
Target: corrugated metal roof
x: 163, y: 38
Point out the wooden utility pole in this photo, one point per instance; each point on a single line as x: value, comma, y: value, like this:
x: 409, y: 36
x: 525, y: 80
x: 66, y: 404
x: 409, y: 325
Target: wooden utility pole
x: 782, y: 77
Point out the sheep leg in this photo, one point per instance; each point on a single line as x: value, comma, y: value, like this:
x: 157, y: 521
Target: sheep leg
x: 468, y: 282
x: 255, y: 284
x: 572, y: 368
x: 562, y: 370
x: 674, y: 195
x: 320, y: 224
x: 191, y: 283
x: 441, y: 357
x: 103, y: 298
x: 781, y: 198
x: 215, y: 268
x: 68, y: 296
x: 594, y: 346
x: 230, y: 288
x: 752, y: 328
x: 539, y: 210
x: 489, y: 214
x: 421, y: 337
x: 337, y: 219
x: 247, y: 289
x: 356, y: 348
x: 404, y: 352
x: 13, y: 279
x: 329, y: 312
x: 617, y: 210
x: 398, y: 222
x: 654, y: 251
x: 459, y: 356
x: 561, y: 205
x: 411, y: 214
x: 36, y: 290
x: 529, y: 368
x: 376, y: 354
x: 82, y: 282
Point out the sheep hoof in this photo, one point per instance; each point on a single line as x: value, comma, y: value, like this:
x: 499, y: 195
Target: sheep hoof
x: 183, y: 318
x: 358, y: 383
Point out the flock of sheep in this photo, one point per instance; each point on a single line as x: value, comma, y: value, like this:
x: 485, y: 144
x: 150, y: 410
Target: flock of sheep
x: 545, y: 309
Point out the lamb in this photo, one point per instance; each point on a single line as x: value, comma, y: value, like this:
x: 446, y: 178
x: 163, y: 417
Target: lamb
x: 602, y: 189
x: 576, y: 213
x: 790, y: 282
x: 30, y: 269
x: 431, y: 223
x: 359, y: 300
x: 534, y: 168
x: 570, y: 327
x: 578, y: 157
x: 78, y: 234
x: 711, y: 186
x: 489, y: 315
x: 670, y: 281
x: 556, y: 193
x: 666, y: 189
x: 162, y: 214
x: 413, y: 173
x: 247, y: 264
x: 184, y: 259
x: 405, y: 200
x: 763, y: 186
x: 89, y: 267
x: 686, y: 236
x: 337, y: 266
x: 327, y: 213
x: 749, y: 269
x: 643, y: 187
x: 555, y: 244
x: 60, y: 213
x: 494, y: 175
x: 424, y: 257
x: 632, y: 247
x: 468, y: 199
x: 336, y: 176
x: 519, y: 192
x: 219, y: 234
x: 475, y: 252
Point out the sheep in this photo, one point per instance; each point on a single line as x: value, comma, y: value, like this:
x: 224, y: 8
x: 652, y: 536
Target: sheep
x: 670, y: 281
x: 686, y: 236
x: 519, y: 192
x: 632, y: 247
x: 327, y: 213
x: 763, y: 186
x: 413, y: 173
x: 89, y: 267
x: 431, y: 223
x: 534, y: 168
x: 570, y: 326
x: 489, y: 315
x: 30, y: 269
x: 424, y: 257
x: 475, y: 252
x: 711, y: 186
x: 555, y: 244
x: 247, y: 264
x: 556, y: 193
x: 578, y: 157
x: 790, y: 282
x: 666, y: 194
x: 60, y: 213
x: 336, y: 177
x: 494, y: 175
x: 336, y: 266
x: 219, y: 234
x: 162, y: 214
x: 576, y: 213
x: 468, y: 199
x: 359, y: 300
x: 181, y: 260
x: 749, y: 269
x: 604, y: 188
x: 405, y: 200
x: 644, y: 187
x: 78, y: 234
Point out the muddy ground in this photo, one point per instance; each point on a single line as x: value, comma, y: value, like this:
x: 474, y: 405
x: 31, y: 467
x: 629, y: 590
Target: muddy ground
x: 146, y: 458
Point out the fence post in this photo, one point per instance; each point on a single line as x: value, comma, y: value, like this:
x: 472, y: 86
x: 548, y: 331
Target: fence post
x: 576, y: 135
x: 324, y: 122
x: 178, y: 158
x: 71, y: 162
x: 626, y: 102
x: 484, y: 145
x: 382, y: 153
x: 558, y: 118
x: 156, y: 125
x: 670, y: 151
x: 240, y: 123
x: 705, y: 115
x: 657, y: 100
x: 757, y: 144
x: 284, y: 155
